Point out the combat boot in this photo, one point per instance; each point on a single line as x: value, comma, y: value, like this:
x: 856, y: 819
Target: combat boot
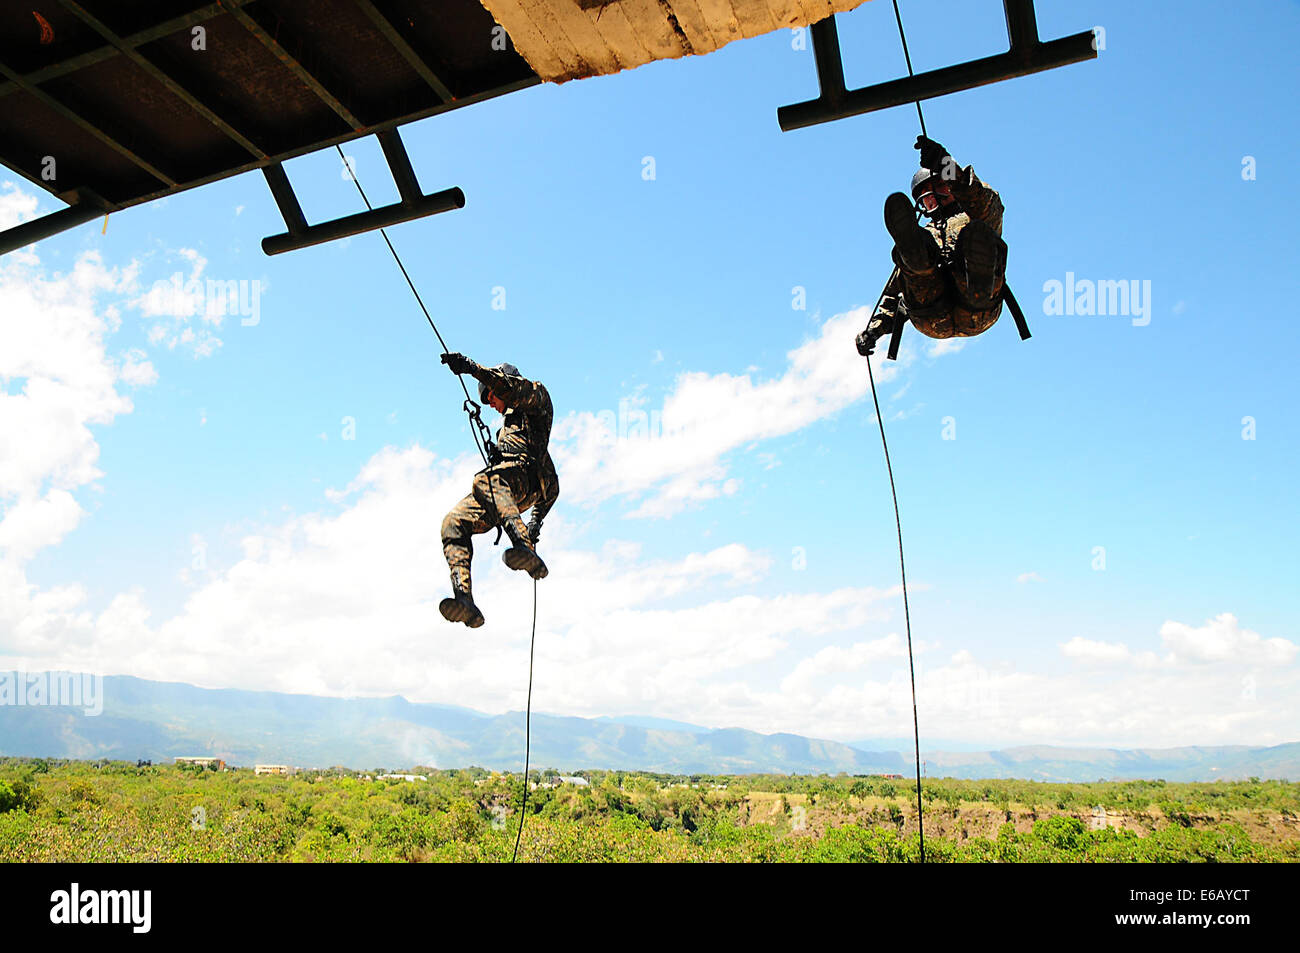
x: 983, y: 254
x: 914, y: 248
x: 460, y: 607
x: 522, y: 555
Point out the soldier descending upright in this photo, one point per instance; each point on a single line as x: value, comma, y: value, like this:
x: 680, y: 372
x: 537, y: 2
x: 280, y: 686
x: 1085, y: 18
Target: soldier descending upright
x: 523, y: 477
x: 951, y: 273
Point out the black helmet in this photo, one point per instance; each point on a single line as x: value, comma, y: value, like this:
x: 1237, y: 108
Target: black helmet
x: 508, y: 369
x: 918, y: 182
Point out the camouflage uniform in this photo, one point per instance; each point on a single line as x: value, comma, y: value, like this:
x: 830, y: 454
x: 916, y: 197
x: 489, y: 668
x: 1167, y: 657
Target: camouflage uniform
x: 940, y: 303
x: 525, y: 477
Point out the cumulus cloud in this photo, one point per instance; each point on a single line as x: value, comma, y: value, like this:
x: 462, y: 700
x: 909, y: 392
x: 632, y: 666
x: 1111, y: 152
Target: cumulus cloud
x: 1134, y: 703
x: 1221, y: 642
x: 32, y: 523
x: 1025, y: 577
x: 1088, y: 650
x: 346, y: 602
x: 834, y: 660
x: 136, y: 370
x: 185, y: 311
x: 61, y: 383
x: 57, y: 382
x: 946, y: 346
x: 682, y: 461
x: 1222, y: 639
x: 16, y: 206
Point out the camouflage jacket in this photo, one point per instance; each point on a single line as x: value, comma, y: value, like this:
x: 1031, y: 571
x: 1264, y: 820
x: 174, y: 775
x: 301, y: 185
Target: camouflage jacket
x: 978, y: 202
x: 525, y: 434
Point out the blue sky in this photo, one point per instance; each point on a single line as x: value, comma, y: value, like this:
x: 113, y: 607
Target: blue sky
x: 742, y: 569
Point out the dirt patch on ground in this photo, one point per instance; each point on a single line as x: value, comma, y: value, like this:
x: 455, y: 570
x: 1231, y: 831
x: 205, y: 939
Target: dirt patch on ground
x: 792, y: 813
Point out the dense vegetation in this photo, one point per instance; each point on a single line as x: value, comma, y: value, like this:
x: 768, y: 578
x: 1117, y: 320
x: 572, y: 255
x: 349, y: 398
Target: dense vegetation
x: 115, y: 811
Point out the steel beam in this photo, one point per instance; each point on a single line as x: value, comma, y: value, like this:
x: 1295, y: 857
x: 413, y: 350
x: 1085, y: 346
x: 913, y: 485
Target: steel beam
x: 830, y: 64
x: 1022, y: 23
x: 399, y: 43
x: 285, y: 198
x: 74, y: 117
x: 139, y: 38
x: 1027, y: 55
x: 337, y: 140
x: 175, y: 88
x: 20, y: 236
x: 364, y: 222
x: 33, y: 233
x: 294, y: 66
x: 399, y: 163
x: 414, y: 204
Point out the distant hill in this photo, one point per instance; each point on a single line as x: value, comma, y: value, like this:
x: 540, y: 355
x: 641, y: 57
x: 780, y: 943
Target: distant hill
x: 161, y: 720
x: 906, y: 744
x: 1046, y: 763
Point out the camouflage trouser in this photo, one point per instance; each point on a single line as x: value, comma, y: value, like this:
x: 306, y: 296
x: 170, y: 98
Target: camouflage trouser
x: 498, y: 496
x: 941, y: 301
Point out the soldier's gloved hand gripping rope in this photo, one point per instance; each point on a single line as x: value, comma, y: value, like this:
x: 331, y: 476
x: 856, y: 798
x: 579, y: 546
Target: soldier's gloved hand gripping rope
x: 933, y: 156
x: 457, y: 363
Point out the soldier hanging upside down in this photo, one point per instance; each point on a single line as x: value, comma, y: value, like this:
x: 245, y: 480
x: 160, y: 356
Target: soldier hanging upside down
x: 524, y: 477
x: 950, y: 273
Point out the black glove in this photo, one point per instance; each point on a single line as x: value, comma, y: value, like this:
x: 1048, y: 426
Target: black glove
x: 458, y: 363
x: 933, y: 155
x: 534, y: 530
x: 881, y: 323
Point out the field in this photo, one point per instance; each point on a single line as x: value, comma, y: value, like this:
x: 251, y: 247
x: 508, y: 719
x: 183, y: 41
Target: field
x: 115, y: 811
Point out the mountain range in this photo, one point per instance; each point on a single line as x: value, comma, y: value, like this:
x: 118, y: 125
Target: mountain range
x: 162, y: 720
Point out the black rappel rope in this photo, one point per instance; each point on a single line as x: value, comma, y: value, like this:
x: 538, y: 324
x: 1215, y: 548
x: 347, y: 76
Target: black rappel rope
x: 898, y: 520
x: 486, y: 449
x: 528, y: 717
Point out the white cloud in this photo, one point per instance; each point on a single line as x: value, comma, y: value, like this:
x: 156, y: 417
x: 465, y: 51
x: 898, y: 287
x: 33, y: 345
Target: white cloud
x: 946, y: 346
x: 1220, y: 642
x: 344, y: 601
x: 136, y: 370
x: 52, y: 338
x: 1222, y: 639
x: 53, y: 333
x: 1090, y: 651
x: 1025, y: 577
x: 16, y: 206
x: 31, y: 523
x: 181, y: 300
x: 347, y: 603
x: 1140, y: 704
x: 836, y: 660
x: 707, y: 416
